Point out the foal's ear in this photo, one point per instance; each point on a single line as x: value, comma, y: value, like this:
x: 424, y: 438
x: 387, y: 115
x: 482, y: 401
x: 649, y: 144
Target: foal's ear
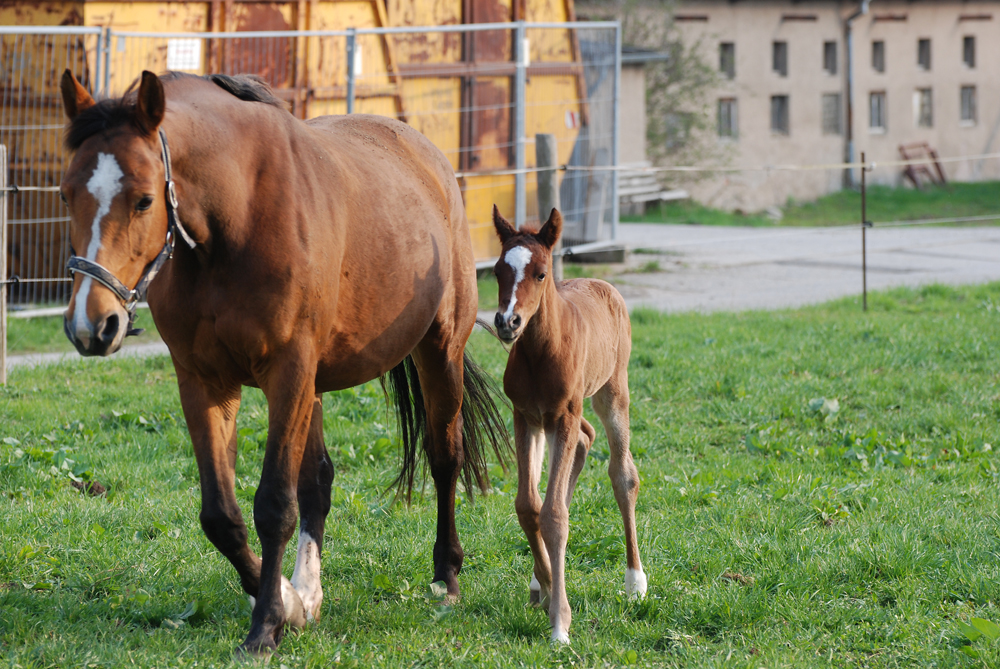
x: 504, y: 229
x: 151, y: 103
x: 549, y: 234
x: 75, y: 97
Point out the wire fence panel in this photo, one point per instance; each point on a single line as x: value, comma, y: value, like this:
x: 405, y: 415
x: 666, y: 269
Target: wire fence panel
x: 480, y: 92
x: 31, y: 127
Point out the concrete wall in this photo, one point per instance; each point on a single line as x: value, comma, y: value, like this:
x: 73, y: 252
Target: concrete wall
x: 752, y: 26
x: 632, y: 137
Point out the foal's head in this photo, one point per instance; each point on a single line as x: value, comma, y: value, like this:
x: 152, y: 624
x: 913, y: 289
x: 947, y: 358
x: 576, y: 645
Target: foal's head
x: 523, y: 271
x: 114, y: 189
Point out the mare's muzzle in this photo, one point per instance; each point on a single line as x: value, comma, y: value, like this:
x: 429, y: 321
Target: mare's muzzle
x: 105, y: 337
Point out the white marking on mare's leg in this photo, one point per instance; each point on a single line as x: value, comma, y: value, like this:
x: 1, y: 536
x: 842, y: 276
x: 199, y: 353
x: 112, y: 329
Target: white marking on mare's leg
x: 104, y: 185
x: 295, y: 615
x: 518, y: 258
x: 635, y: 584
x: 306, y: 577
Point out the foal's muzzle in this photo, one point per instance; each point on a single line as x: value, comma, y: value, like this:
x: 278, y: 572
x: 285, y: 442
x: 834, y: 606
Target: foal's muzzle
x: 508, y: 329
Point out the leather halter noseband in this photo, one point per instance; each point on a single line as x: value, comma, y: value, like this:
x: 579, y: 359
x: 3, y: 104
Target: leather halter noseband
x: 130, y: 298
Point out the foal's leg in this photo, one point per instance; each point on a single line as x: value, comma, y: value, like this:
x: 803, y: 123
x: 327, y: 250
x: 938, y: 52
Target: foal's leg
x: 611, y: 404
x: 290, y: 390
x: 315, y: 479
x: 530, y: 444
x: 587, y: 434
x: 210, y: 413
x: 562, y: 436
x: 441, y: 375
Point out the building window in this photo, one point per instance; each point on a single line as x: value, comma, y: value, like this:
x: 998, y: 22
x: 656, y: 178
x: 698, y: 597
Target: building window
x: 877, y: 112
x: 924, y: 54
x: 969, y: 51
x: 968, y: 103
x: 727, y: 60
x: 779, y: 114
x: 830, y: 57
x: 878, y: 56
x: 832, y: 114
x: 779, y: 58
x: 728, y: 118
x: 923, y: 108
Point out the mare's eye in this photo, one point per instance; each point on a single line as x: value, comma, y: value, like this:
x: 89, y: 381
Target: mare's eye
x: 62, y: 196
x: 144, y: 204
x: 541, y: 277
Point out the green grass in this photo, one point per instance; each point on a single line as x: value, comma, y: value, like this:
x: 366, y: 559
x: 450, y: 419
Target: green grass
x: 844, y: 207
x: 778, y: 527
x: 45, y: 335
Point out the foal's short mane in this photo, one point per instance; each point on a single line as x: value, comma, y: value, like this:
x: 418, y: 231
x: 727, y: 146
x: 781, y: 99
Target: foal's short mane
x: 116, y: 112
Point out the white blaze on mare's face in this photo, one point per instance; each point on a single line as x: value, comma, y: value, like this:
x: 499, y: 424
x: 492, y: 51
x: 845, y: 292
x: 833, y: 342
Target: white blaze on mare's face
x: 518, y: 258
x: 104, y: 185
x: 306, y: 578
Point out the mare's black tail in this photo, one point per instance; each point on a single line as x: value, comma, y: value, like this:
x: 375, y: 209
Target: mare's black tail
x: 482, y: 424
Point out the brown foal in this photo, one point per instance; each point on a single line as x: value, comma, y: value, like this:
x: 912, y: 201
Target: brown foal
x: 571, y: 340
x: 314, y: 256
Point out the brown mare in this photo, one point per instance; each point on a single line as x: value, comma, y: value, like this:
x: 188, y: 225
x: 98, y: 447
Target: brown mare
x: 571, y: 340
x: 315, y: 256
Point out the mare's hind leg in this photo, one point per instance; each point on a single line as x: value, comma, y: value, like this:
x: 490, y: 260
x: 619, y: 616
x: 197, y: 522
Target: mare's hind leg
x: 611, y: 404
x: 315, y: 479
x: 441, y: 374
x: 210, y: 413
x: 587, y: 434
x: 529, y: 443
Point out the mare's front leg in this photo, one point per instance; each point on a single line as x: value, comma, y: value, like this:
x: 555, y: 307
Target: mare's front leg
x: 315, y: 480
x: 529, y: 443
x: 210, y: 412
x: 562, y: 435
x: 290, y: 390
x: 611, y: 404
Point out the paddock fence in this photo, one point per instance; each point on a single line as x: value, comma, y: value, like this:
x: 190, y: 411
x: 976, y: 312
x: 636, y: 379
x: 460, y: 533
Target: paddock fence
x: 480, y: 92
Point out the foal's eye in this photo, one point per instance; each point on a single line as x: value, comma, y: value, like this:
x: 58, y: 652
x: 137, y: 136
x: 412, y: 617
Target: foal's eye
x: 541, y: 277
x: 144, y: 204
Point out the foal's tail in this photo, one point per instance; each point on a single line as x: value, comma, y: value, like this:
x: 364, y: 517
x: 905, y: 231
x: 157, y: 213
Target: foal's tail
x: 482, y: 424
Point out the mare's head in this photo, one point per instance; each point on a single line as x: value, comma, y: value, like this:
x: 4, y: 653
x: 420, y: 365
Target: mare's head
x: 524, y: 271
x: 114, y: 189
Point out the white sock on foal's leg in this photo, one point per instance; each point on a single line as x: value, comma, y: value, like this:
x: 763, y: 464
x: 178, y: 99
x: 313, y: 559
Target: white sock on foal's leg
x: 306, y: 577
x: 635, y: 584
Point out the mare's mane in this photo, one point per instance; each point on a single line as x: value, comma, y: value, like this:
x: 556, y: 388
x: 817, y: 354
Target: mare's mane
x: 116, y: 112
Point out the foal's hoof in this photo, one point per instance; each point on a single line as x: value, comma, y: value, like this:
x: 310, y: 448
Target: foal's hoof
x: 295, y: 611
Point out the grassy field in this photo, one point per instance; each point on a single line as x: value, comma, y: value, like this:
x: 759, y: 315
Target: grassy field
x: 844, y: 207
x: 820, y: 488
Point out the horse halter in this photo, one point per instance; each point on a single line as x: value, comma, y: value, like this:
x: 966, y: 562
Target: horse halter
x: 130, y: 298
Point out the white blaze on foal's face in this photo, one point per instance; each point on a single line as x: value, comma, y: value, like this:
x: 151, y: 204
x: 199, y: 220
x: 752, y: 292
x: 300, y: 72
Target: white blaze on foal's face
x: 104, y: 185
x: 518, y: 258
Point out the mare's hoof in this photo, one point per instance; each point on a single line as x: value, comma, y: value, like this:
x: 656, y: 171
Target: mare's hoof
x: 295, y: 611
x: 560, y: 638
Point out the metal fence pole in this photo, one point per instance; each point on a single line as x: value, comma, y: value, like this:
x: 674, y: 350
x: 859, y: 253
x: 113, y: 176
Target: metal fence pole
x: 98, y: 69
x: 546, y: 156
x: 351, y: 47
x: 864, y: 245
x: 106, y: 55
x: 3, y: 265
x: 616, y: 130
x: 520, y: 88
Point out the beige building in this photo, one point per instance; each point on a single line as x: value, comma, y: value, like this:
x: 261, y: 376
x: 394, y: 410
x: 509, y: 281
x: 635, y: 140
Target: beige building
x: 790, y: 93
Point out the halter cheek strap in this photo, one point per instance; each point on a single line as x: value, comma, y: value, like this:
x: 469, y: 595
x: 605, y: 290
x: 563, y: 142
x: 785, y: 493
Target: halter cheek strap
x: 130, y: 297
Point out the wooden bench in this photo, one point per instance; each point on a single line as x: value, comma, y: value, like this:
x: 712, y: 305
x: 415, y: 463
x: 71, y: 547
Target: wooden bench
x: 638, y: 186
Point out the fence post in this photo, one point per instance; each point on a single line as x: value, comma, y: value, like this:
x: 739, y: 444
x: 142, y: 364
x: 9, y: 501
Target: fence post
x: 3, y: 265
x: 106, y: 55
x: 546, y: 159
x: 865, y: 224
x: 616, y: 128
x: 351, y: 47
x: 520, y: 86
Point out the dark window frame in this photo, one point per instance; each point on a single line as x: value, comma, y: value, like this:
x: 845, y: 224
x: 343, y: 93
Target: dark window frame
x: 924, y: 53
x: 878, y: 55
x: 779, y: 58
x: 727, y: 59
x: 781, y: 115
x: 830, y: 57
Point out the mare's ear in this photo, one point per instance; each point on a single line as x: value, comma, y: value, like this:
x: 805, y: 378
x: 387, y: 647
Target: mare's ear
x: 151, y: 103
x: 549, y: 234
x: 504, y: 229
x: 75, y: 97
